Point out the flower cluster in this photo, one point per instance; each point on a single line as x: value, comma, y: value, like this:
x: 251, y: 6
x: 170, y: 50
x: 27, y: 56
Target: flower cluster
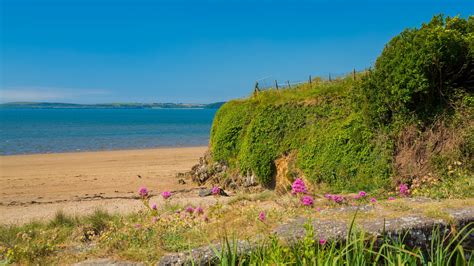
x: 166, y: 194
x: 336, y: 198
x: 143, y: 192
x: 298, y: 187
x: 262, y: 217
x: 216, y: 191
x: 307, y: 201
x: 403, y: 189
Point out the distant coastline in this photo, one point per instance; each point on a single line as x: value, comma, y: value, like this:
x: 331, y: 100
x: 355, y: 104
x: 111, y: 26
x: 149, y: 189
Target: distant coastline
x: 51, y: 105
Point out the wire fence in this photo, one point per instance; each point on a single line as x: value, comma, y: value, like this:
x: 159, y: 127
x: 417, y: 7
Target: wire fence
x: 269, y: 82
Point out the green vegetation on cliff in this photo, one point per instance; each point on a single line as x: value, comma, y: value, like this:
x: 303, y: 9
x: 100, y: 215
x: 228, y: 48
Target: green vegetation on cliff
x: 357, y: 133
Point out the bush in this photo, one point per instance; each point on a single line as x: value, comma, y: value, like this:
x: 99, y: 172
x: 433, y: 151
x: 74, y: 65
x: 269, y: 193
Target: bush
x: 419, y: 71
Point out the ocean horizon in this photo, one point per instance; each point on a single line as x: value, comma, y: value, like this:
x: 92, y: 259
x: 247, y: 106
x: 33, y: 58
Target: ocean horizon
x: 36, y: 131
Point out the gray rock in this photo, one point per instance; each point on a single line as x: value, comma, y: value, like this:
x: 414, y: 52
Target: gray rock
x: 107, y: 262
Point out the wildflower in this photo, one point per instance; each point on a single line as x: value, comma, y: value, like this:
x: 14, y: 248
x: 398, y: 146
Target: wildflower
x: 205, y: 218
x: 322, y: 241
x: 404, y: 191
x: 362, y: 194
x: 298, y: 187
x: 391, y: 198
x: 318, y: 209
x: 328, y: 196
x: 215, y: 191
x: 357, y: 197
x: 373, y: 200
x: 154, y: 207
x: 166, y: 194
x: 307, y: 200
x: 262, y: 217
x: 137, y: 226
x: 143, y: 192
x: 154, y: 219
x: 189, y: 209
x: 199, y: 210
x: 337, y: 198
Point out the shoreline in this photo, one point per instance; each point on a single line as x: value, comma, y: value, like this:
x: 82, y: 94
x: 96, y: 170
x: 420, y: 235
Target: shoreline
x: 36, y: 186
x: 112, y: 150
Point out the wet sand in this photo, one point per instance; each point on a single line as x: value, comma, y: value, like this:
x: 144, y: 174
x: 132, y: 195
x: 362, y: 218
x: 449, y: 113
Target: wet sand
x: 36, y: 186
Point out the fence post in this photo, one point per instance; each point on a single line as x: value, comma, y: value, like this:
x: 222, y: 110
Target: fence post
x: 256, y: 90
x: 354, y: 73
x: 329, y: 76
x: 276, y: 84
x: 289, y: 86
x: 310, y: 81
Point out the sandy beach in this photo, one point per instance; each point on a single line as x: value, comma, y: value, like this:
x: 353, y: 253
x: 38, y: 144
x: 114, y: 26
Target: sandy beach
x: 37, y: 186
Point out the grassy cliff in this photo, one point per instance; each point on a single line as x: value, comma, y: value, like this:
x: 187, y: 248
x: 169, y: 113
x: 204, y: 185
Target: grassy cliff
x: 409, y: 119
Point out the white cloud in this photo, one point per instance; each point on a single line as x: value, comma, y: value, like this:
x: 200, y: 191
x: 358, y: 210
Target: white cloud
x: 41, y: 94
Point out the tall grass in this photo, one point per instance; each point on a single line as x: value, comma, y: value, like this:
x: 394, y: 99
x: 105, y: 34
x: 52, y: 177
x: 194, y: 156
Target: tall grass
x: 359, y: 248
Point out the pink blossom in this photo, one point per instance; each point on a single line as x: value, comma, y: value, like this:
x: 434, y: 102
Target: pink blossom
x: 337, y: 198
x: 404, y: 191
x: 322, y: 241
x: 362, y: 194
x: 357, y: 197
x: 262, y: 217
x: 298, y: 187
x: 391, y: 198
x: 154, y: 207
x: 143, y: 192
x: 199, y: 210
x: 307, y: 200
x: 373, y: 200
x: 328, y: 196
x: 215, y: 191
x: 154, y: 219
x: 318, y: 209
x: 166, y: 194
x: 189, y: 209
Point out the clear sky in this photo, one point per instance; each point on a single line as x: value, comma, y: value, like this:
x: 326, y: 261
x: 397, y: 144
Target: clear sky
x: 97, y: 51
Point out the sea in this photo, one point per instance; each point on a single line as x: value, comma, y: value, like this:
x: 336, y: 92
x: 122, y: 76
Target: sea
x: 29, y: 131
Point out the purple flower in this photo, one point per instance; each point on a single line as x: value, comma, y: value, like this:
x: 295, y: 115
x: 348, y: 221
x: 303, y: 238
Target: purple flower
x: 404, y: 191
x: 373, y: 200
x: 143, y: 192
x: 199, y: 210
x: 189, y: 209
x: 298, y: 187
x: 322, y: 241
x: 153, y: 206
x: 216, y: 191
x: 307, y: 200
x: 166, y: 194
x: 391, y: 198
x: 262, y: 217
x: 337, y: 198
x: 362, y: 194
x: 328, y: 196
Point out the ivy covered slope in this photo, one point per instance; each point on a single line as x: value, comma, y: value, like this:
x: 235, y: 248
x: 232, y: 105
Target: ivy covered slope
x: 409, y: 119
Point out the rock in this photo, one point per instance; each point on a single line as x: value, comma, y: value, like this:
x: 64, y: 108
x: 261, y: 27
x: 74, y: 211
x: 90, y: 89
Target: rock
x: 204, y: 192
x: 181, y: 181
x: 249, y: 180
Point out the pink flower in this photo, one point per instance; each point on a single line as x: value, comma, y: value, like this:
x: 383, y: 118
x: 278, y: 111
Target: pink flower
x: 328, y: 196
x: 199, y: 210
x: 357, y: 197
x: 262, y: 217
x: 298, y: 187
x: 215, y: 191
x: 143, y: 192
x: 205, y: 218
x: 404, y: 191
x: 154, y: 219
x: 391, y: 198
x: 189, y: 209
x: 373, y: 200
x: 318, y: 209
x: 166, y: 194
x: 362, y: 194
x: 307, y: 200
x: 337, y: 198
x: 154, y: 207
x: 322, y: 241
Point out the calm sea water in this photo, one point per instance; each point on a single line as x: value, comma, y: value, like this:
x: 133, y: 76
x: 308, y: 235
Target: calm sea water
x: 25, y: 131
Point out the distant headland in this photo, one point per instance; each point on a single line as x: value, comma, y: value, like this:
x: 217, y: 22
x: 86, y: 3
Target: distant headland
x: 50, y: 105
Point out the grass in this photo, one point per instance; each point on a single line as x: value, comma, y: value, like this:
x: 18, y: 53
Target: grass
x: 138, y: 237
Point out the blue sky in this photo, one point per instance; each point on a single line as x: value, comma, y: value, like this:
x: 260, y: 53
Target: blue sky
x: 97, y: 51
